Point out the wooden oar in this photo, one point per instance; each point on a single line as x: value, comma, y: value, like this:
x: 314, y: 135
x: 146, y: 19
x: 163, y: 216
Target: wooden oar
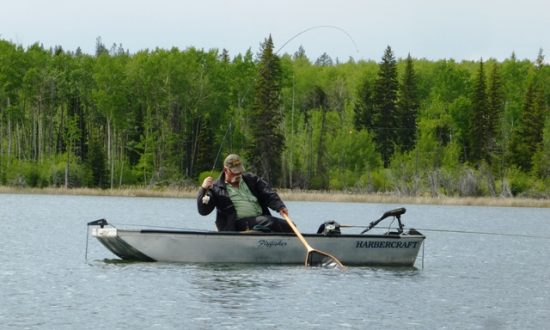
x: 315, y: 257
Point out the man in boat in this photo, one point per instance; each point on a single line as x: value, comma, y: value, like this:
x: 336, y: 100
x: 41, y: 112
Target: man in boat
x: 242, y: 200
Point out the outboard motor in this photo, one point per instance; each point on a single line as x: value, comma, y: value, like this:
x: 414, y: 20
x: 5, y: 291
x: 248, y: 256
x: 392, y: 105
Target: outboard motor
x: 392, y: 213
x: 329, y: 228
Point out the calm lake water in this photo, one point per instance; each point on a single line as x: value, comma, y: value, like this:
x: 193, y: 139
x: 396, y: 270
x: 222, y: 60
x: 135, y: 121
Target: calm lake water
x: 469, y: 281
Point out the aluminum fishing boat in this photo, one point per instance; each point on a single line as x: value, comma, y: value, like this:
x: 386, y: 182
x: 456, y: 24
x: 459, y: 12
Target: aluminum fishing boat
x: 398, y: 247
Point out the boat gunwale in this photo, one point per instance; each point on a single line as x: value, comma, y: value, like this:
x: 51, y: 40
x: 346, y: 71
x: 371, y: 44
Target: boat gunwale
x: 261, y: 234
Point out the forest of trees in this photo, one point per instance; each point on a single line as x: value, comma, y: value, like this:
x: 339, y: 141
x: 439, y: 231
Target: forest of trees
x: 166, y: 118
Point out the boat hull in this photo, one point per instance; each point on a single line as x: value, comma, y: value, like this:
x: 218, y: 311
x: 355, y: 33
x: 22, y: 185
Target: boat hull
x: 257, y: 248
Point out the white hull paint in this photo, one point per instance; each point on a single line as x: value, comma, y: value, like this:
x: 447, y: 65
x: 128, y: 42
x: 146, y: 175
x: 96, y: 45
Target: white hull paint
x: 257, y: 248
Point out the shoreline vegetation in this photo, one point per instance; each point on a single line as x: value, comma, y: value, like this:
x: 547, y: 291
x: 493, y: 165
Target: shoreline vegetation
x: 394, y: 128
x: 295, y: 195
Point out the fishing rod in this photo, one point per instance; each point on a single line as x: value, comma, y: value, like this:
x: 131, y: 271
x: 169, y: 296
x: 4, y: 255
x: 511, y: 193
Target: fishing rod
x: 280, y: 48
x: 319, y: 27
x: 307, y: 30
x: 220, y: 149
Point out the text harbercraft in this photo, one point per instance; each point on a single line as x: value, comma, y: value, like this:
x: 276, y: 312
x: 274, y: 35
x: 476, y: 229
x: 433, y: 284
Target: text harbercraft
x: 386, y: 245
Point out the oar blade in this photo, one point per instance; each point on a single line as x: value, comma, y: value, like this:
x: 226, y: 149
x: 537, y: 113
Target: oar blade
x: 316, y: 258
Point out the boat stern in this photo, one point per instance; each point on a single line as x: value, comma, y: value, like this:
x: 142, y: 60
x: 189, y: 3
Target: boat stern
x: 108, y: 236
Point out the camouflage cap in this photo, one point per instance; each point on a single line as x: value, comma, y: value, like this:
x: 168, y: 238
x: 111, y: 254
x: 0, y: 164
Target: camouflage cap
x: 233, y: 163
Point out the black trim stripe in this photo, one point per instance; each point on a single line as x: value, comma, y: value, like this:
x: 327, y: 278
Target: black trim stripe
x: 229, y: 233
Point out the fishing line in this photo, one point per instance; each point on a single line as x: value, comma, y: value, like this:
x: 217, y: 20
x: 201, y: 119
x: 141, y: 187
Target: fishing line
x: 482, y: 233
x: 86, y: 252
x: 390, y: 225
x: 278, y: 50
x: 319, y: 27
x: 462, y: 232
x: 423, y: 246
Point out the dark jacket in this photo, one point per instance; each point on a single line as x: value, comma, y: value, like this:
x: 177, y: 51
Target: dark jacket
x: 226, y: 215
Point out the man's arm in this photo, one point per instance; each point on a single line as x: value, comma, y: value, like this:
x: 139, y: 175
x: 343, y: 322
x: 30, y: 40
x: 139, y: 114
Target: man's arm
x: 269, y: 196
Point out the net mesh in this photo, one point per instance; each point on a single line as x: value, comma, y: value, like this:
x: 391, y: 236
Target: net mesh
x: 320, y: 259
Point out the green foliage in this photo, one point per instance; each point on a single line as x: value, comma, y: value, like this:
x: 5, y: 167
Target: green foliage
x: 32, y: 176
x: 349, y: 149
x: 160, y: 117
x: 98, y: 164
x: 406, y: 176
x: 50, y: 172
x: 519, y: 181
x: 267, y: 140
x: 408, y: 105
x: 378, y: 180
x: 77, y: 174
x: 479, y: 121
x: 385, y: 117
x: 364, y: 106
x: 527, y: 138
x: 350, y: 155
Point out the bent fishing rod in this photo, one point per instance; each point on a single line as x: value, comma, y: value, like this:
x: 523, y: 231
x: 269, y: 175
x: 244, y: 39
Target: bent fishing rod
x: 220, y: 149
x: 319, y: 27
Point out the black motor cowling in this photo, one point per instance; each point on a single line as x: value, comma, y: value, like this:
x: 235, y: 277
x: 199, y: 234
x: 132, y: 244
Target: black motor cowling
x: 329, y: 228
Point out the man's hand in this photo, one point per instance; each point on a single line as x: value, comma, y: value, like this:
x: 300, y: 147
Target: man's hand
x: 207, y: 183
x: 283, y: 211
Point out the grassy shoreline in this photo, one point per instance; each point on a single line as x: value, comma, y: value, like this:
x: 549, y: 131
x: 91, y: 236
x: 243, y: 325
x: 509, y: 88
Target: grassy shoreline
x: 294, y: 195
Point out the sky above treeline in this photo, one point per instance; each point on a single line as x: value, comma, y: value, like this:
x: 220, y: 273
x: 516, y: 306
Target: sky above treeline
x: 362, y: 29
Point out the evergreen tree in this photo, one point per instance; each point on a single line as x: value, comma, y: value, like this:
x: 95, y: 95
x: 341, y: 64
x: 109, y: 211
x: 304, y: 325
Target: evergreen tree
x: 494, y: 112
x: 100, y: 48
x: 300, y: 54
x: 224, y: 56
x: 539, y: 63
x: 527, y: 138
x: 265, y: 117
x: 153, y: 117
x: 543, y: 100
x: 479, y: 122
x: 385, y: 118
x: 363, y: 108
x: 541, y: 160
x: 324, y: 60
x: 408, y: 105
